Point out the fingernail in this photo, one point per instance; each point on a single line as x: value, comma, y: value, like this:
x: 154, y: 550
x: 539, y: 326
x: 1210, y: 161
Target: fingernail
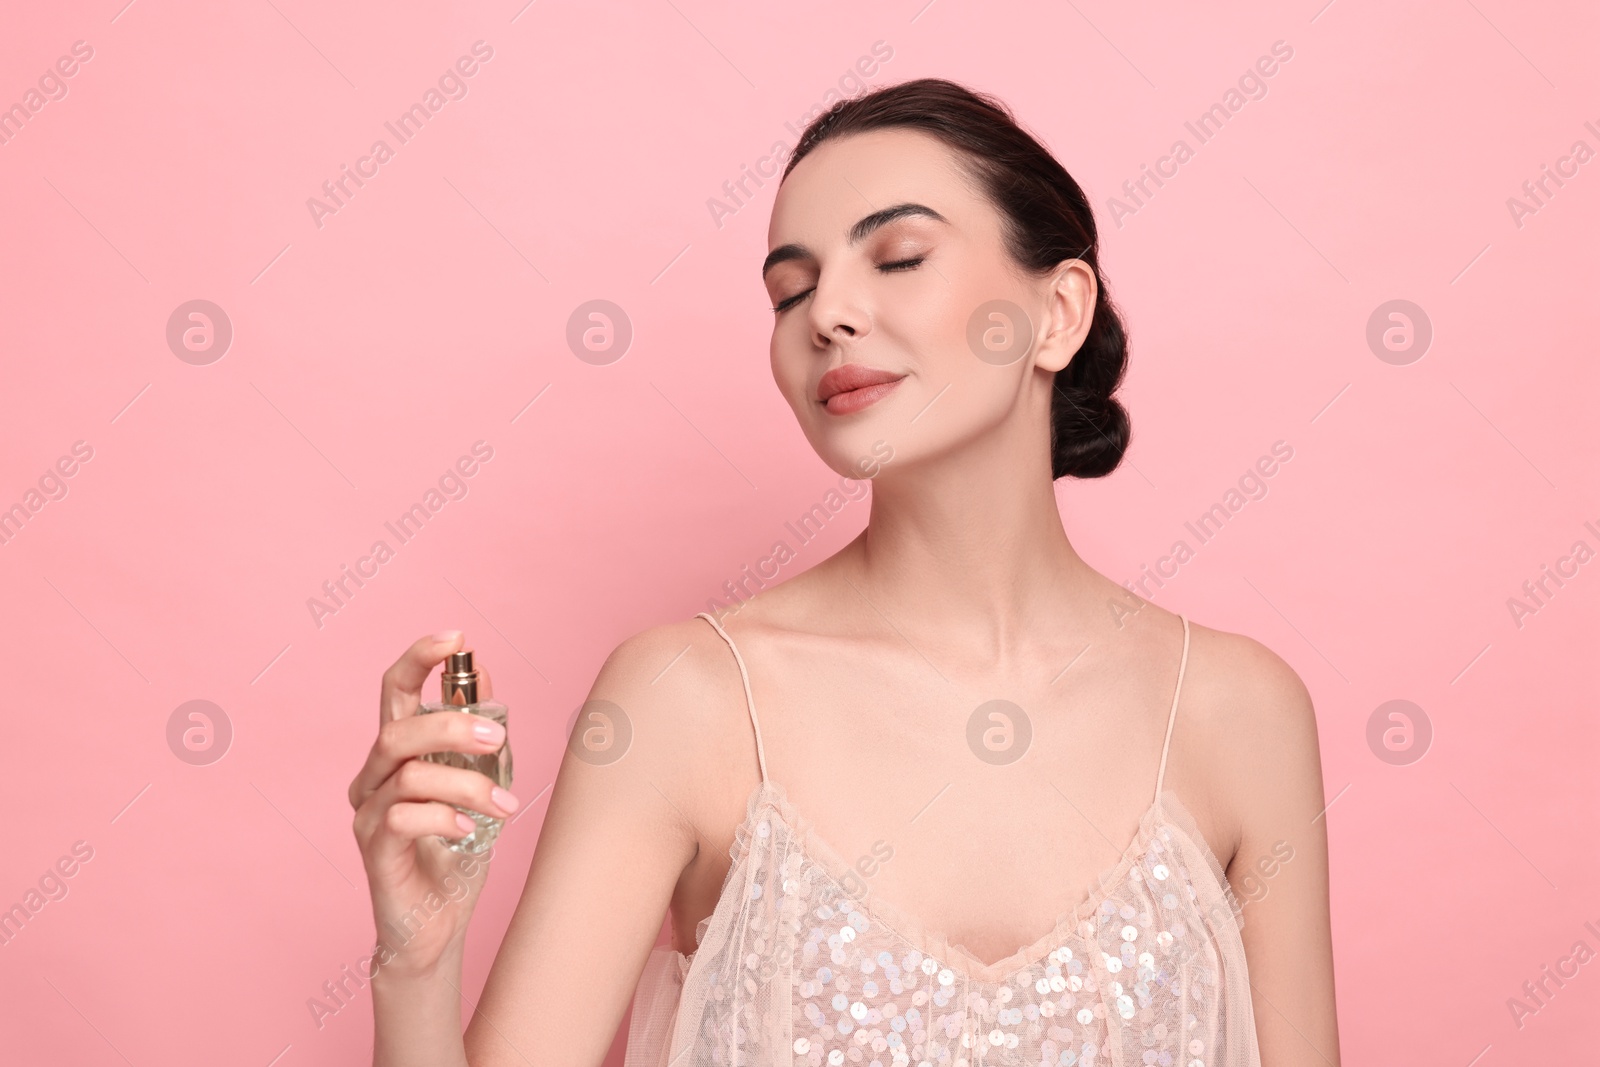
x: 491, y: 732
x: 444, y: 637
x: 506, y: 801
x: 465, y: 823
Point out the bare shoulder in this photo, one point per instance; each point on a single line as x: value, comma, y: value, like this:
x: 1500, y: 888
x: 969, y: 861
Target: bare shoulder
x: 676, y: 691
x: 1253, y: 734
x: 1246, y: 685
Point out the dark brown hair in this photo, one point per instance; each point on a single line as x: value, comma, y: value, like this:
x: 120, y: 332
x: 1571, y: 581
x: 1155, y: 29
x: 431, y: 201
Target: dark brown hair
x: 1046, y: 220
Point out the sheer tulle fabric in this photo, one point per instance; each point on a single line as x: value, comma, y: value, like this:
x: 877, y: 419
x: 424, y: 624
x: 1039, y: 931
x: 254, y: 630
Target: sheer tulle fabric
x: 792, y: 969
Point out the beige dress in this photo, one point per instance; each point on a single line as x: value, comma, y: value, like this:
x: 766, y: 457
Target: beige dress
x: 790, y: 969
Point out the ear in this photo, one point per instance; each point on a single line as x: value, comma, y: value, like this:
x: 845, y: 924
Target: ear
x: 1070, y: 298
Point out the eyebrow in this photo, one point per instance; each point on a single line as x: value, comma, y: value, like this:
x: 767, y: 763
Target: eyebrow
x: 863, y: 227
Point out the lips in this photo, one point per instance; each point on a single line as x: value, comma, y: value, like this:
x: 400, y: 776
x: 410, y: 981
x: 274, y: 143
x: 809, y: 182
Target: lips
x: 850, y: 377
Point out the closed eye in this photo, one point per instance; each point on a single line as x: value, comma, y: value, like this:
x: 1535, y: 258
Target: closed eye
x: 898, y: 265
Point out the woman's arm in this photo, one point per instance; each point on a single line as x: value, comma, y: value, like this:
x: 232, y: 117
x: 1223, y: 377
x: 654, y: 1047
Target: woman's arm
x: 1280, y: 872
x: 619, y: 833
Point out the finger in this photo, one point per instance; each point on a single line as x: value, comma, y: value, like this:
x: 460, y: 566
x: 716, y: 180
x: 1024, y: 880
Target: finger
x: 405, y: 822
x: 485, y: 684
x: 404, y: 739
x: 422, y: 780
x: 418, y: 785
x: 401, y: 692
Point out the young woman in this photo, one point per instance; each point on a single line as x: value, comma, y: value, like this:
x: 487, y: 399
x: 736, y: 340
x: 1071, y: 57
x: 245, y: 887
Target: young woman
x: 950, y: 797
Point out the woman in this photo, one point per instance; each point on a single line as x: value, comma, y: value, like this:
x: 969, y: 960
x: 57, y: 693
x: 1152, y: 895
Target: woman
x: 952, y: 738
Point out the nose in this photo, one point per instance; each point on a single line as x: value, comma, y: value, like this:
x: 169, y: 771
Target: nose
x: 837, y: 314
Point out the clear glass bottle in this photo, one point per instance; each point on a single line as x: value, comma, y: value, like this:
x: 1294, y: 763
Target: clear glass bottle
x: 459, y: 689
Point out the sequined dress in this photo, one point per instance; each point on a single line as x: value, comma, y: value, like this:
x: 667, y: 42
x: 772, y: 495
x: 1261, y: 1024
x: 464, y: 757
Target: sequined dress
x: 792, y: 969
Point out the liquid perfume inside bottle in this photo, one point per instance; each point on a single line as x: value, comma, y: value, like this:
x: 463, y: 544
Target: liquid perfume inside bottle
x: 459, y: 689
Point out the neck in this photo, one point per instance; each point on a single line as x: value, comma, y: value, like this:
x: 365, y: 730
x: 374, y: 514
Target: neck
x: 971, y: 546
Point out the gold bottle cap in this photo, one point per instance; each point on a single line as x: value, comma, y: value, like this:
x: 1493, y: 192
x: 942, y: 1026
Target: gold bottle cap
x: 459, y: 682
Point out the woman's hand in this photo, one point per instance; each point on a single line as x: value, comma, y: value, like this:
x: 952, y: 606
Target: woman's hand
x: 403, y: 806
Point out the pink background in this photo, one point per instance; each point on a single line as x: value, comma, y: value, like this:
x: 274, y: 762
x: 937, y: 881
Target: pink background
x: 430, y: 311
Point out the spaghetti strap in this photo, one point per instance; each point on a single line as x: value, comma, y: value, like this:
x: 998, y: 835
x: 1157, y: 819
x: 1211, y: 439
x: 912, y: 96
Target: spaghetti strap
x: 744, y: 675
x: 1172, y: 715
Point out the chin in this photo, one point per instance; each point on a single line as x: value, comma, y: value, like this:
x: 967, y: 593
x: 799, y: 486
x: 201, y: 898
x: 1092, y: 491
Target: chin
x: 858, y: 451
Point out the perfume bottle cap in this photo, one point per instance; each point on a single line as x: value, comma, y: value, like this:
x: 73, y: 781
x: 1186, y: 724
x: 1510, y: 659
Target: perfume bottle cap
x: 459, y: 682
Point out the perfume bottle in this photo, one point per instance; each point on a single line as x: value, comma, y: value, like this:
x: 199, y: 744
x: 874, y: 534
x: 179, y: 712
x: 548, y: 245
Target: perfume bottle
x: 459, y: 688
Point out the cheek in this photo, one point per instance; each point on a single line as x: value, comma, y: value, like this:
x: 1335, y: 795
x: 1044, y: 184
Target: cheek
x: 936, y: 331
x: 938, y: 316
x: 788, y: 371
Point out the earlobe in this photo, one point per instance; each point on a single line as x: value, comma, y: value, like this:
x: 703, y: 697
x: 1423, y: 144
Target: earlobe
x: 1051, y: 353
x: 1050, y: 357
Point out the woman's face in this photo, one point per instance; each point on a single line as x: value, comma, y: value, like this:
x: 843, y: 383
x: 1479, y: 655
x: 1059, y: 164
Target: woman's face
x: 888, y: 261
